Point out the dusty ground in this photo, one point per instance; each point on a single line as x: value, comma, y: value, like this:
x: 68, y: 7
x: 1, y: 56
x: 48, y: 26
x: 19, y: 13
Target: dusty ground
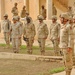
x: 24, y: 51
x: 25, y: 67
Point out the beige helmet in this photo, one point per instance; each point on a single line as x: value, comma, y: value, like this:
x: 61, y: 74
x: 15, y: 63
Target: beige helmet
x: 15, y: 18
x: 40, y: 17
x: 65, y: 16
x: 54, y: 17
x: 5, y: 15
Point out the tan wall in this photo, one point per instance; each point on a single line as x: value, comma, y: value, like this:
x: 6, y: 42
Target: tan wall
x: 9, y: 4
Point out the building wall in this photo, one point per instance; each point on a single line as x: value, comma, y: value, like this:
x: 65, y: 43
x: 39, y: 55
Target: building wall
x: 33, y: 6
x: 9, y: 5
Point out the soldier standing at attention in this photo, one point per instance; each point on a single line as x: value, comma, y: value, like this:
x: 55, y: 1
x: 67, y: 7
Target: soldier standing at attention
x: 65, y: 43
x: 29, y: 34
x: 15, y: 10
x: 6, y: 29
x: 21, y: 30
x: 54, y: 34
x: 23, y: 12
x: 43, y: 11
x: 15, y: 30
x: 42, y: 34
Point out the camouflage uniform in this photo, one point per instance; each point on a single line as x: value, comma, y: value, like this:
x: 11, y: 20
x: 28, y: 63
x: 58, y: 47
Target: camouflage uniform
x: 42, y: 34
x: 54, y: 35
x: 21, y: 30
x: 6, y: 29
x: 74, y: 33
x: 65, y: 44
x: 15, y: 30
x: 29, y: 33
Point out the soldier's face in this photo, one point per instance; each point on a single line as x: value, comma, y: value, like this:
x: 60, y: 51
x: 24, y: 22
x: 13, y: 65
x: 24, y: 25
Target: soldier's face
x: 5, y: 17
x: 28, y: 21
x: 61, y: 20
x: 40, y: 20
x: 14, y: 21
x: 53, y: 20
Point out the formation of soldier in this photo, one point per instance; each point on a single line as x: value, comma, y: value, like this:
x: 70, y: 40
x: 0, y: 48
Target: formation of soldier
x: 62, y: 35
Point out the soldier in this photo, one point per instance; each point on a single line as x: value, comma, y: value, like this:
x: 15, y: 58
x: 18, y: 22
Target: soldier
x: 15, y: 10
x: 23, y: 12
x: 54, y: 34
x: 65, y: 43
x: 6, y: 29
x: 74, y: 33
x: 43, y: 11
x: 42, y: 34
x: 21, y: 30
x: 15, y: 30
x: 29, y: 34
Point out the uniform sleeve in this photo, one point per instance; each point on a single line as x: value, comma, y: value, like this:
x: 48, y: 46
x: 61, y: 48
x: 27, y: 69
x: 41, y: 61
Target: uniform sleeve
x: 24, y: 31
x: 33, y: 30
x: 58, y: 30
x: 69, y: 36
x: 21, y: 29
x: 46, y: 31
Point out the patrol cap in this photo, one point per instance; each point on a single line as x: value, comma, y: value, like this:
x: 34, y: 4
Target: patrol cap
x: 54, y: 17
x: 40, y: 17
x: 15, y: 18
x: 5, y: 15
x: 65, y: 15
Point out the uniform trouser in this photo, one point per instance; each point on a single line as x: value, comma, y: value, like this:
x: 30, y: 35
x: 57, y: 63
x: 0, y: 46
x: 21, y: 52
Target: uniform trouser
x: 56, y: 46
x: 68, y: 61
x: 29, y: 44
x: 41, y: 42
x: 15, y: 44
x: 7, y: 38
x: 20, y: 42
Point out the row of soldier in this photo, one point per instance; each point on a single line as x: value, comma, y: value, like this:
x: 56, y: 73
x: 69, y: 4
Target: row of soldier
x: 62, y: 35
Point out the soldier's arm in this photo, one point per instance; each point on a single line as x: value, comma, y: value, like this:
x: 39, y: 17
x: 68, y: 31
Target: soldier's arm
x: 33, y: 29
x: 46, y: 31
x: 58, y: 30
x: 24, y: 31
x: 21, y: 29
x: 69, y: 36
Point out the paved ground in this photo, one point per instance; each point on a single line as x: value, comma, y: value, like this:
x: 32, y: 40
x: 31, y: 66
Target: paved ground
x: 63, y: 73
